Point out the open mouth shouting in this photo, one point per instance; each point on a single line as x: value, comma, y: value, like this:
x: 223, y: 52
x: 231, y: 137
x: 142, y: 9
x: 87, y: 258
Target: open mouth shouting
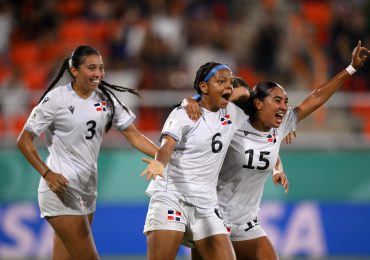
x: 225, y: 98
x: 279, y: 117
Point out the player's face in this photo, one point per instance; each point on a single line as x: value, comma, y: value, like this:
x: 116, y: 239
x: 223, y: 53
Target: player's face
x: 219, y: 89
x: 90, y: 73
x: 273, y: 108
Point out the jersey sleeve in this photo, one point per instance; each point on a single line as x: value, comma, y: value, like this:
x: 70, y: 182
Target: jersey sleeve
x: 240, y: 116
x: 289, y: 122
x: 122, y: 117
x: 42, y: 115
x: 177, y: 124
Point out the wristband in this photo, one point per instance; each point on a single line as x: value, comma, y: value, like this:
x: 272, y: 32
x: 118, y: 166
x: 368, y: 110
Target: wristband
x: 350, y: 69
x: 44, y: 175
x: 274, y: 172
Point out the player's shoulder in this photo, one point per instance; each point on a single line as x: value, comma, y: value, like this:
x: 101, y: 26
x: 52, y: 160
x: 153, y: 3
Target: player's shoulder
x: 179, y: 114
x: 58, y: 94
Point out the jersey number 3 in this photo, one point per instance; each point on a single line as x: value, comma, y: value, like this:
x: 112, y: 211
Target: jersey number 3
x: 249, y: 165
x: 91, y: 128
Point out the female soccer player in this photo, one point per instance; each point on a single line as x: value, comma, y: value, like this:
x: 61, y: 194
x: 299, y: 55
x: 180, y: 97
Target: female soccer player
x: 183, y: 203
x: 253, y: 154
x: 74, y: 118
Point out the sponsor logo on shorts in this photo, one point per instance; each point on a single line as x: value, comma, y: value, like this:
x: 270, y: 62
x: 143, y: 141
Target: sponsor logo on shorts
x: 252, y: 224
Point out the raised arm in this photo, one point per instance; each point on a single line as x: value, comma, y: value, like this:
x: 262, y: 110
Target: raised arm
x: 139, y: 141
x: 320, y: 95
x: 163, y: 156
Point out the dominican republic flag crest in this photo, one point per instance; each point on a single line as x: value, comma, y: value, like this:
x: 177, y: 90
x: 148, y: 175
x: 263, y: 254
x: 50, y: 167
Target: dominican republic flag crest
x: 101, y: 106
x: 173, y: 215
x: 271, y: 138
x: 226, y: 120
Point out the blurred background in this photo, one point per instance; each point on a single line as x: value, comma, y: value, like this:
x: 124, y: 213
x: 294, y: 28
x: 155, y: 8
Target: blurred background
x: 156, y: 46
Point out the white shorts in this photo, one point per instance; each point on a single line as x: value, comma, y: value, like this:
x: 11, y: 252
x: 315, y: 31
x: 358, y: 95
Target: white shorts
x: 167, y: 212
x: 68, y: 203
x: 247, y: 231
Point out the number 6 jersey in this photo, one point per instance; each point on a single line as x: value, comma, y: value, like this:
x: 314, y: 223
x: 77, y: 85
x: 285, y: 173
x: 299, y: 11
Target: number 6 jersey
x: 74, y: 129
x: 250, y: 159
x: 192, y: 171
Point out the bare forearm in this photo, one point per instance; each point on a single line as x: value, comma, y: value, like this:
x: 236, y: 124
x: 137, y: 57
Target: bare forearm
x: 325, y: 91
x: 144, y: 145
x: 320, y: 95
x: 28, y: 149
x: 139, y: 141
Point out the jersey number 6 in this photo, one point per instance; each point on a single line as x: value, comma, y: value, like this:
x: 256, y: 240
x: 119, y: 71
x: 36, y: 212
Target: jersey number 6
x: 216, y: 144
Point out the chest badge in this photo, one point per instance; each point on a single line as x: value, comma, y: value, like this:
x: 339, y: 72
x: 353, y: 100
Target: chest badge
x: 271, y: 138
x: 101, y: 106
x: 225, y: 120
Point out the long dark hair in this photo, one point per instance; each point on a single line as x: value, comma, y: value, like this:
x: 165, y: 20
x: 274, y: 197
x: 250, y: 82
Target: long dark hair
x: 75, y: 60
x: 260, y: 92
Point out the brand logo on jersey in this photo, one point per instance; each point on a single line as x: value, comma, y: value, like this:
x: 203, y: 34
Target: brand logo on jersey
x: 271, y: 138
x: 101, y: 106
x: 72, y: 109
x: 173, y: 215
x: 46, y: 99
x: 225, y: 120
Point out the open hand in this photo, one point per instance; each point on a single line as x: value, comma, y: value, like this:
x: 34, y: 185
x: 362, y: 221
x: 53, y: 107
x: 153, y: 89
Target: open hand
x: 154, y: 168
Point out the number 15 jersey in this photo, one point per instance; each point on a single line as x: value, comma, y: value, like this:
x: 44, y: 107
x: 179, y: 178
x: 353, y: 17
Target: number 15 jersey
x: 251, y: 157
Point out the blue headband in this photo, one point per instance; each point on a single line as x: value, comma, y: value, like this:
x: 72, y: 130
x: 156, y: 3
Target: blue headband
x: 214, y: 70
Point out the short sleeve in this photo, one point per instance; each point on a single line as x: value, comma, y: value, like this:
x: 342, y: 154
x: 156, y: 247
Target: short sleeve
x: 176, y: 124
x: 240, y: 116
x: 42, y: 116
x: 122, y: 117
x: 289, y: 122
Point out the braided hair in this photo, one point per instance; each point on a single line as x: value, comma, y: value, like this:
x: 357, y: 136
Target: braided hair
x: 202, y: 73
x: 75, y: 60
x: 260, y: 92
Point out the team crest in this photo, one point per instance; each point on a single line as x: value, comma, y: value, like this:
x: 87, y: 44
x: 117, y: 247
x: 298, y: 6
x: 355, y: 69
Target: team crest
x: 225, y: 120
x: 271, y: 138
x: 101, y: 106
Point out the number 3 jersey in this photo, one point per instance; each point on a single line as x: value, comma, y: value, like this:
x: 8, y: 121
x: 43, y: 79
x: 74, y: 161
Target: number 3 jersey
x: 250, y: 159
x: 192, y: 171
x: 74, y: 128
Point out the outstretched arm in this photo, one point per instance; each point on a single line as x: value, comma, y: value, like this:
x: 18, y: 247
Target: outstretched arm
x: 163, y: 156
x: 139, y: 141
x: 320, y: 95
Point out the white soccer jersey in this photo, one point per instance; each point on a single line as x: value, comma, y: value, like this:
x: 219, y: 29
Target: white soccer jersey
x: 74, y: 129
x: 193, y: 169
x: 250, y: 159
